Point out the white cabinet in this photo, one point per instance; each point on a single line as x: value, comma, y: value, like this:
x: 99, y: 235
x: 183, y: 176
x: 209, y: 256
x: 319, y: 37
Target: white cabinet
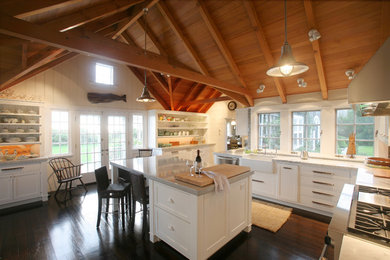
x: 288, y: 182
x: 198, y: 225
x: 22, y: 182
x: 242, y: 119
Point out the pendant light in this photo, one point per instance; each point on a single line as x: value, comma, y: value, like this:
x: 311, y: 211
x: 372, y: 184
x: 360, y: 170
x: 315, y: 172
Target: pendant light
x: 287, y: 65
x: 145, y: 97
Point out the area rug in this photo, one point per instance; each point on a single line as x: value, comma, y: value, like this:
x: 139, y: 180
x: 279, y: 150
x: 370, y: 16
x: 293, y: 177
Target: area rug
x: 269, y: 216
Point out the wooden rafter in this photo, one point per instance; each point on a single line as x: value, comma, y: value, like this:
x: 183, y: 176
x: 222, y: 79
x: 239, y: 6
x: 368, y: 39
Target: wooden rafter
x: 152, y: 37
x: 161, y: 81
x: 176, y: 84
x: 210, y: 100
x: 150, y: 88
x: 198, y: 91
x: 41, y: 69
x: 205, y: 107
x: 235, y: 96
x: 33, y: 63
x: 6, y: 40
x: 255, y: 21
x: 24, y: 55
x: 105, y: 22
x: 187, y: 96
x: 170, y: 92
x: 98, y: 46
x: 23, y: 8
x: 176, y: 28
x: 217, y: 36
x: 385, y: 28
x: 316, y: 49
x: 137, y: 12
x: 93, y: 13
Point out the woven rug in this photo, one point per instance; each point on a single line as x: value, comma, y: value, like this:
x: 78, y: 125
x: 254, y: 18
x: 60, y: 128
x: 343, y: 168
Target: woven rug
x: 269, y: 216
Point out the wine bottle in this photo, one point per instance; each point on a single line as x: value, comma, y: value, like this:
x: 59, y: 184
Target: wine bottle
x: 198, y: 162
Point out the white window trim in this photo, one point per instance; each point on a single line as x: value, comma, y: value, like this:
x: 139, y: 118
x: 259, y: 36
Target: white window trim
x: 102, y: 64
x: 258, y: 127
x: 292, y: 128
x: 70, y: 143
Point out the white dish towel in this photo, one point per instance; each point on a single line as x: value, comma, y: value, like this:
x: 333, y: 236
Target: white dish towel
x: 220, y: 181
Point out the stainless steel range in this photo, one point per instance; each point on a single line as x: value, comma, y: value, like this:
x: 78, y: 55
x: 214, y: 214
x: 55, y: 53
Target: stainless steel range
x: 370, y: 214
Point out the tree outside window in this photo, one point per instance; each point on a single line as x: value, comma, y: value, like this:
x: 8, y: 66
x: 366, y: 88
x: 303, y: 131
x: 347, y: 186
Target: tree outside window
x: 59, y: 132
x: 348, y: 122
x: 306, y: 131
x: 269, y: 131
x: 138, y: 131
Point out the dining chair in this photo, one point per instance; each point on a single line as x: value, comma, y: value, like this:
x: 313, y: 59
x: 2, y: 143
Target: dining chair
x: 109, y: 191
x: 66, y: 172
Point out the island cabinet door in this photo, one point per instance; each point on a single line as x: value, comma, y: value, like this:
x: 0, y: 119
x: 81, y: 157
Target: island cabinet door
x: 5, y: 189
x: 238, y: 206
x: 27, y: 186
x: 288, y: 182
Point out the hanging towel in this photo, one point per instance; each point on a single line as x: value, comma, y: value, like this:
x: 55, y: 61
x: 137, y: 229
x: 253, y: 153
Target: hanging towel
x: 220, y: 181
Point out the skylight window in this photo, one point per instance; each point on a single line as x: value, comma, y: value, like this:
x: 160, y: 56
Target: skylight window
x: 104, y: 74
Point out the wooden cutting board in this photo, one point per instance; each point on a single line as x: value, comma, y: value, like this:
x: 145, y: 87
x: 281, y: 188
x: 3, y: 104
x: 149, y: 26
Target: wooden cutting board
x: 229, y: 170
x: 378, y: 172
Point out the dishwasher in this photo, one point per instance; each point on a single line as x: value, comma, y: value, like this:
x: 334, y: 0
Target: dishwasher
x: 226, y: 160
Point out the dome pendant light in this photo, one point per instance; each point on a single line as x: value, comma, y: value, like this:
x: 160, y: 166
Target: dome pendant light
x: 287, y: 65
x: 145, y: 97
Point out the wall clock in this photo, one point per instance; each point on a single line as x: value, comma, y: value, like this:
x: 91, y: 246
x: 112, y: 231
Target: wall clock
x: 232, y: 105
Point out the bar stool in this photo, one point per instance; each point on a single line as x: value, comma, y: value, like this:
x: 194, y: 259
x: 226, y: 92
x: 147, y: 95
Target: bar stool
x: 140, y: 193
x: 107, y: 191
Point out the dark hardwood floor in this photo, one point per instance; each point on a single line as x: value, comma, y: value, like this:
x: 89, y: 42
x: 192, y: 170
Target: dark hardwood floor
x: 58, y: 231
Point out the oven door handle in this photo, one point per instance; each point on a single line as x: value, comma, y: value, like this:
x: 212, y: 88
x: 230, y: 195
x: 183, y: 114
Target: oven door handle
x: 327, y: 241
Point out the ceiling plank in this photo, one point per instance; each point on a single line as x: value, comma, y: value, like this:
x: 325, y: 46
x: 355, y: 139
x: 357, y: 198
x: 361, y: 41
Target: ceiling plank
x: 210, y: 100
x: 218, y: 38
x: 385, y: 30
x: 150, y: 88
x: 198, y: 91
x: 33, y: 63
x: 161, y: 81
x: 137, y: 12
x: 105, y: 22
x: 23, y: 8
x: 176, y: 84
x: 255, y: 21
x: 187, y: 96
x: 206, y: 107
x: 316, y: 49
x: 98, y: 46
x: 49, y: 65
x: 93, y: 13
x: 176, y: 28
x: 152, y: 37
x: 6, y: 40
x: 24, y: 55
x: 170, y: 93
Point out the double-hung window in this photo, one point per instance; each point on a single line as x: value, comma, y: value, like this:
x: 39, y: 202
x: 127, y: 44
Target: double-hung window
x: 348, y: 122
x: 269, y: 130
x: 138, y: 131
x: 306, y: 131
x: 59, y: 132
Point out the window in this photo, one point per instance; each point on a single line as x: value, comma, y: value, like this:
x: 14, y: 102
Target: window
x: 138, y: 129
x: 269, y: 131
x: 116, y: 137
x: 348, y: 122
x: 90, y: 143
x: 306, y: 131
x: 59, y: 132
x: 104, y: 74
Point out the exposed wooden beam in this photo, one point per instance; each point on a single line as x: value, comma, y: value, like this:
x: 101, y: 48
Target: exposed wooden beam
x: 205, y: 107
x: 128, y: 39
x: 385, y: 28
x: 184, y: 39
x: 6, y: 40
x: 41, y: 69
x: 198, y: 91
x: 152, y: 37
x: 170, y: 93
x: 176, y: 84
x: 137, y: 12
x: 98, y: 46
x: 23, y: 8
x: 24, y: 55
x: 161, y: 81
x: 218, y: 38
x: 255, y: 21
x: 210, y: 100
x: 105, y: 22
x: 33, y: 63
x: 93, y: 13
x: 316, y: 49
x: 235, y: 96
x: 187, y: 96
x: 150, y: 88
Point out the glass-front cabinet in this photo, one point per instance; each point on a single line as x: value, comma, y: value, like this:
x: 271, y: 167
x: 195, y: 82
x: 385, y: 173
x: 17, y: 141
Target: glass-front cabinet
x: 20, y: 130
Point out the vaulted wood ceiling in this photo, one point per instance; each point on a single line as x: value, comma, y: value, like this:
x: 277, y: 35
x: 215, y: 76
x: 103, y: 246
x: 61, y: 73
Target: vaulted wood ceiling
x: 199, y: 52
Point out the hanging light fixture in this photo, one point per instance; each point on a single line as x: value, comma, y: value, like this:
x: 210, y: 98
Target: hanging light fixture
x: 145, y: 97
x: 287, y: 65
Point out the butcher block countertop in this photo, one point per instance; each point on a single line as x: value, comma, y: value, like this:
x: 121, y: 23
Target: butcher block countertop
x: 164, y: 169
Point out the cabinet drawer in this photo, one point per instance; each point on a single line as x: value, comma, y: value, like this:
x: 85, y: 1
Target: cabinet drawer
x: 321, y: 183
x: 264, y: 184
x: 326, y: 171
x: 175, y: 201
x: 331, y: 196
x: 317, y: 203
x: 175, y: 231
x: 25, y: 168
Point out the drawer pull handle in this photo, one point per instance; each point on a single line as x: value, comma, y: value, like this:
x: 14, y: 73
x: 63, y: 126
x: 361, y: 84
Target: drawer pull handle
x: 322, y: 193
x: 258, y: 181
x: 326, y: 173
x: 287, y: 168
x: 171, y: 200
x: 171, y: 228
x: 322, y: 204
x: 12, y: 169
x: 323, y: 183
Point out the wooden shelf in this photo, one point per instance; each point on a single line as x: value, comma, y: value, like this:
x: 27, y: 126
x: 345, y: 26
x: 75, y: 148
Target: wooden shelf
x: 18, y: 143
x: 177, y: 136
x: 16, y: 114
x: 182, y: 128
x: 20, y: 124
x: 24, y: 133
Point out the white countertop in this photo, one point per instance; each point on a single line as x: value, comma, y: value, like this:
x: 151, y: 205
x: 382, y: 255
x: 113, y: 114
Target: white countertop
x: 184, y: 146
x: 17, y: 162
x: 360, y: 249
x: 164, y: 168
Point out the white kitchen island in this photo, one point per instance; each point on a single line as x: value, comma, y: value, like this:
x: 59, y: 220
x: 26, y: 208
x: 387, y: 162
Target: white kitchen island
x: 196, y: 221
